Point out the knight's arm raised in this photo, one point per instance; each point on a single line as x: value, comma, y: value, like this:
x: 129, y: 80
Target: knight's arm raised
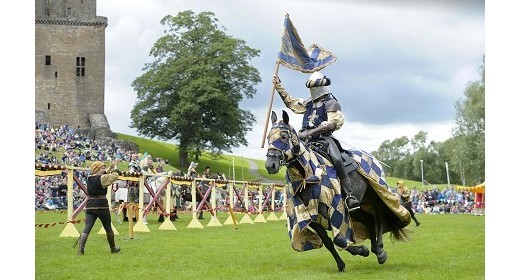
x: 297, y: 105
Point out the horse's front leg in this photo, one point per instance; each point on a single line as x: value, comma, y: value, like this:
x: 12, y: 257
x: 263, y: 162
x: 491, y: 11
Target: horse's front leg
x: 322, y: 233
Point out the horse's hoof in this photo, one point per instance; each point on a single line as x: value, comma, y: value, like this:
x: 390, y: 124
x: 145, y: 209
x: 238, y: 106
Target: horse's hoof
x: 381, y: 258
x: 363, y: 251
x: 341, y: 267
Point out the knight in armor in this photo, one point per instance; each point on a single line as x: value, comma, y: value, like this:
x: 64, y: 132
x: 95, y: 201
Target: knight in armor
x: 322, y: 116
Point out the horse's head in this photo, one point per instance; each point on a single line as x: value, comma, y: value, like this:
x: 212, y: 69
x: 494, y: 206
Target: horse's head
x: 283, y: 141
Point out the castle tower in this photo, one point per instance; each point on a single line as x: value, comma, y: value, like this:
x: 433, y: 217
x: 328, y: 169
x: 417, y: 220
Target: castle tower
x: 70, y: 64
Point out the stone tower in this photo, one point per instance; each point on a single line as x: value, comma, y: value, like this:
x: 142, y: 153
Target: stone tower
x: 70, y: 65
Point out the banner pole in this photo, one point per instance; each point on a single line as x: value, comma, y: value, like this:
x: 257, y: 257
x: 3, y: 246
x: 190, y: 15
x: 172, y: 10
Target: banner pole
x: 270, y: 105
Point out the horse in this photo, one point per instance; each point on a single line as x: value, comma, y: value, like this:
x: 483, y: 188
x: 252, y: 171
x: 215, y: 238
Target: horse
x: 320, y: 206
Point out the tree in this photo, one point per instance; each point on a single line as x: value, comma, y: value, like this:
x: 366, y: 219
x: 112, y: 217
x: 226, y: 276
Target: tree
x: 469, y: 135
x: 191, y: 91
x: 419, y: 140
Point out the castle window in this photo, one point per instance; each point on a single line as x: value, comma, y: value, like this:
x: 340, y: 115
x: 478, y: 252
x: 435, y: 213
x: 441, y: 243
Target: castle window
x: 48, y: 2
x: 48, y: 12
x: 47, y: 60
x: 48, y: 106
x: 69, y: 12
x: 80, y: 66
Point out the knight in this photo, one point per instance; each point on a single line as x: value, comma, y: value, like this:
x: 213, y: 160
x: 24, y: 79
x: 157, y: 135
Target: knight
x: 321, y: 117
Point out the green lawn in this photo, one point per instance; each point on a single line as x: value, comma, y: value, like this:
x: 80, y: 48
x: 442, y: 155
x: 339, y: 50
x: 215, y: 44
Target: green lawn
x: 443, y: 247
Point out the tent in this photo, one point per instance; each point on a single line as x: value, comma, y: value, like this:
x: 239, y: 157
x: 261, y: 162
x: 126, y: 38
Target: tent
x: 479, y: 191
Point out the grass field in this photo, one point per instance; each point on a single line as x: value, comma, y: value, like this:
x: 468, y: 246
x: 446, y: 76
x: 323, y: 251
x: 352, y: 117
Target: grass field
x: 443, y: 247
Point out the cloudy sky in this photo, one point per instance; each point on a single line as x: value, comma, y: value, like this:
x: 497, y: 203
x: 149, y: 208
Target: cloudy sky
x: 401, y: 65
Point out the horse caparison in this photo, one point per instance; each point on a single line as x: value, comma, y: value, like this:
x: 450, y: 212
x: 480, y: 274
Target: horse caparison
x: 286, y: 149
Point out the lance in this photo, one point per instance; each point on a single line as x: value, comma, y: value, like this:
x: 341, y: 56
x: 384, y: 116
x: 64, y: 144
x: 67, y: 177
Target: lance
x: 270, y: 105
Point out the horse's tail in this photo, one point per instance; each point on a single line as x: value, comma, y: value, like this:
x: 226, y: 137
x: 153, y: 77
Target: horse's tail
x: 397, y: 228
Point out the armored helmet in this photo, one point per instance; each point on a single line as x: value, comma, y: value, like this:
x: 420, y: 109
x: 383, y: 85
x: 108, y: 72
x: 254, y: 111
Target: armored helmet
x: 317, y: 85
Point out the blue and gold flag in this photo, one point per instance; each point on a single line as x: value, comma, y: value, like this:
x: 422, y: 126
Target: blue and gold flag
x: 293, y: 55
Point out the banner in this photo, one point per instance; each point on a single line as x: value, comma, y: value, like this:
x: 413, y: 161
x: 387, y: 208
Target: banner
x: 293, y: 54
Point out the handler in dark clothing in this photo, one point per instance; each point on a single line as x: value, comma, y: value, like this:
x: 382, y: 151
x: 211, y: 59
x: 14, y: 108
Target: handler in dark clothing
x: 97, y: 202
x: 406, y: 201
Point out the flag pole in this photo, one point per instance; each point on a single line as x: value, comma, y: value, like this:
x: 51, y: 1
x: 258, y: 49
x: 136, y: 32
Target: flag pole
x: 270, y: 105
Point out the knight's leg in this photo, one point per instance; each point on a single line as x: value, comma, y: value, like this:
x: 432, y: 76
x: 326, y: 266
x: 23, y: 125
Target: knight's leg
x: 346, y: 185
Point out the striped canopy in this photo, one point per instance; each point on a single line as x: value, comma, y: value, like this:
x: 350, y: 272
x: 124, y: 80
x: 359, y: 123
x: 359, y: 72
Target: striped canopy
x: 480, y: 188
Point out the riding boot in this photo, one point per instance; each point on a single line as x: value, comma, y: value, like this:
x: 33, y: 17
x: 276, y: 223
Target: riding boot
x: 112, y: 243
x: 351, y: 201
x: 82, y: 241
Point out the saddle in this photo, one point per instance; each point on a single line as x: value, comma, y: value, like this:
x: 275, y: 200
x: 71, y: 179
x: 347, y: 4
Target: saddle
x: 321, y: 146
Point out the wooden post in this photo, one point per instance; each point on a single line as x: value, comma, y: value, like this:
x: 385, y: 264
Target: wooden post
x: 130, y: 214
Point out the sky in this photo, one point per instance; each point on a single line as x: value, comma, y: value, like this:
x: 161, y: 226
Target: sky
x: 401, y: 65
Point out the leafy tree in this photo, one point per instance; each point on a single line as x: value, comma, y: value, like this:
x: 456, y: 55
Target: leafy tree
x: 419, y: 140
x: 392, y: 152
x: 191, y: 91
x: 469, y: 135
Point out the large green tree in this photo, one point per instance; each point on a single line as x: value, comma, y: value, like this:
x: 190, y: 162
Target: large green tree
x: 469, y: 135
x: 191, y: 91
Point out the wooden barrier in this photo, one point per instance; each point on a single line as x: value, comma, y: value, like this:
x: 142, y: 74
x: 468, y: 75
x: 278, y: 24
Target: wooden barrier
x: 237, y: 190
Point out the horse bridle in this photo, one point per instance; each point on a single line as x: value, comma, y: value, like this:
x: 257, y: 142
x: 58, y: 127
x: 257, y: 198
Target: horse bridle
x: 282, y: 155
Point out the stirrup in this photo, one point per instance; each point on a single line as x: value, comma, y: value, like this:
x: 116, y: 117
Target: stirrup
x: 355, y: 204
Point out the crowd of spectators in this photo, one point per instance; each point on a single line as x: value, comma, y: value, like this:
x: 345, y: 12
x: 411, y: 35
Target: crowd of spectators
x: 51, y: 191
x: 65, y: 146
x: 448, y: 201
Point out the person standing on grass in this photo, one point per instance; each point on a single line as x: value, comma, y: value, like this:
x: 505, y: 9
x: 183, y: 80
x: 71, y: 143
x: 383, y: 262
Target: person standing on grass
x: 404, y: 195
x: 97, y: 203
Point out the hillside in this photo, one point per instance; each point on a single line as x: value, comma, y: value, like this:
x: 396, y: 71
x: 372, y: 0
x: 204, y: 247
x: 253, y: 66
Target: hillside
x: 246, y: 169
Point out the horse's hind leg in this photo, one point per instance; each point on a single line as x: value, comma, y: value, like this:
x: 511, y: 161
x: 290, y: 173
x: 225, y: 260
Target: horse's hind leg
x: 375, y: 229
x: 378, y: 248
x: 322, y: 233
x: 379, y: 251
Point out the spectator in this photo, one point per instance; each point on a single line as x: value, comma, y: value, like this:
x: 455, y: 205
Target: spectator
x: 160, y: 166
x: 192, y: 170
x: 146, y: 165
x: 207, y: 173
